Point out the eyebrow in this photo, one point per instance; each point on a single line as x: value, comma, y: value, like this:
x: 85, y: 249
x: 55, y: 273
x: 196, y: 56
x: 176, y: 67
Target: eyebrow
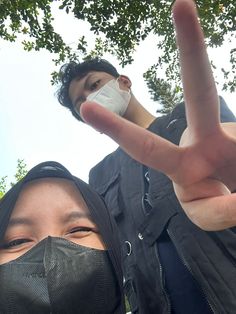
x: 72, y: 216
x: 20, y: 221
x: 75, y: 215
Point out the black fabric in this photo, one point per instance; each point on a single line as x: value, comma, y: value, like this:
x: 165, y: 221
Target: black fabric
x: 210, y: 256
x: 59, y: 276
x: 184, y: 293
x: 98, y: 210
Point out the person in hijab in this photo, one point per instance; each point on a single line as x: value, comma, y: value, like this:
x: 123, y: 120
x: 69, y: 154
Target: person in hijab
x: 59, y: 250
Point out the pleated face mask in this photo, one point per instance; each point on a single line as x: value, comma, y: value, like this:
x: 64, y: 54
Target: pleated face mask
x: 59, y: 276
x: 112, y: 97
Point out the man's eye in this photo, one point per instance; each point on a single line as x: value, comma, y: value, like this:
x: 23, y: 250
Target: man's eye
x: 13, y: 244
x: 94, y: 85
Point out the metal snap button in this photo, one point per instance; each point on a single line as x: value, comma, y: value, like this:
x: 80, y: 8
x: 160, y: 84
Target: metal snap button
x: 129, y: 247
x: 140, y: 236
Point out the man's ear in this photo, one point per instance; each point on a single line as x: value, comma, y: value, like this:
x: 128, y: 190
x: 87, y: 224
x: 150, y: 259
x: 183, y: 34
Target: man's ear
x: 123, y: 79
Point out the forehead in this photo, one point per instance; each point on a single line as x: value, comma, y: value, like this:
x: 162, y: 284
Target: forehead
x: 48, y: 193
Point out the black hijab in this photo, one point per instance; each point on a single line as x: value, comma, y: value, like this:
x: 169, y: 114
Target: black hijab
x: 98, y: 210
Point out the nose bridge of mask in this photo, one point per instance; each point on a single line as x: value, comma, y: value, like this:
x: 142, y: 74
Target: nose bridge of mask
x: 80, y: 277
x: 58, y: 249
x: 104, y: 90
x: 111, y: 97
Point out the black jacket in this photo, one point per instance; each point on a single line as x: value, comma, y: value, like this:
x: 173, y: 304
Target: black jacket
x: 209, y: 256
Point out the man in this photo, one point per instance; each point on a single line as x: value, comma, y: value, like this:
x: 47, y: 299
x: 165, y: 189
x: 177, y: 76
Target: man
x: 170, y: 264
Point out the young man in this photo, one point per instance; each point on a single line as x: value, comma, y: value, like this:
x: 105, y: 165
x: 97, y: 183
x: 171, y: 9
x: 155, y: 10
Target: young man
x: 170, y: 264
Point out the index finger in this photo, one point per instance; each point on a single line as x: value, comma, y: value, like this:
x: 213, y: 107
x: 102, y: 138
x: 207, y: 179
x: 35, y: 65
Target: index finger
x: 139, y: 143
x: 202, y: 103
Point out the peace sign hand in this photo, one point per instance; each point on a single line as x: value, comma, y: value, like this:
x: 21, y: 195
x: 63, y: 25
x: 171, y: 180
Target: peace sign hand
x: 203, y: 166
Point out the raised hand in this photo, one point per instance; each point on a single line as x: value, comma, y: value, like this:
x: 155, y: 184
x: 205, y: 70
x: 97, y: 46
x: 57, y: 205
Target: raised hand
x: 203, y: 166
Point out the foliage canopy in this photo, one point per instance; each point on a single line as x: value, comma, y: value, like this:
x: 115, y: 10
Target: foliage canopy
x: 21, y: 171
x: 120, y: 26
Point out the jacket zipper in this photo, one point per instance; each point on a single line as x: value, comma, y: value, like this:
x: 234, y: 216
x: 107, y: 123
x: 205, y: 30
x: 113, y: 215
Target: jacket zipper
x: 185, y: 263
x: 162, y: 281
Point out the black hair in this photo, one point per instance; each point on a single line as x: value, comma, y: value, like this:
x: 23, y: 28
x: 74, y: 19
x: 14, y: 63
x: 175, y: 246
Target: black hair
x: 72, y: 70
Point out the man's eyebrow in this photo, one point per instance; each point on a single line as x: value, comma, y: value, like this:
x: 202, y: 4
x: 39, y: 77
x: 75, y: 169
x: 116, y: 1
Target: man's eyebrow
x: 75, y: 215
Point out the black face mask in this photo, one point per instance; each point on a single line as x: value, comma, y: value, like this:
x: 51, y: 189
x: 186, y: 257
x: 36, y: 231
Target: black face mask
x: 58, y: 276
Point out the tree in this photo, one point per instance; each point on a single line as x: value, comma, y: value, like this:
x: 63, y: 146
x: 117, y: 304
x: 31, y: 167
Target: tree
x: 3, y: 186
x: 21, y: 171
x: 120, y: 26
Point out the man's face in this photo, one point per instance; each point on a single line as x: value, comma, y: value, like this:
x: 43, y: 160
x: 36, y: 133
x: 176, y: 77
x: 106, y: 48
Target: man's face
x: 80, y: 88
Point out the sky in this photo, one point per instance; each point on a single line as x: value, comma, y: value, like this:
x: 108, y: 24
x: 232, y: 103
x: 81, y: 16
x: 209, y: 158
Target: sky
x: 34, y: 127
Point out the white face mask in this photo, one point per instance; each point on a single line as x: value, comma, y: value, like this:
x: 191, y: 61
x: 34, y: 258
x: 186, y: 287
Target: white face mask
x: 112, y: 97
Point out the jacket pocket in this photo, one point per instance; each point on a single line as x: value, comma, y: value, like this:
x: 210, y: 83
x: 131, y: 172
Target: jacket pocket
x: 110, y: 191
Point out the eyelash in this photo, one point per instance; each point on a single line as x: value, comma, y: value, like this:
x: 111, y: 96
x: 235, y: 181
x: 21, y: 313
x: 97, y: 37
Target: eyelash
x: 81, y: 229
x: 94, y: 85
x: 17, y: 242
x: 14, y: 243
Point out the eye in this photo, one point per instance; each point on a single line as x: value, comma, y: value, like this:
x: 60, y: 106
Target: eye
x: 81, y: 229
x: 95, y: 85
x: 14, y: 243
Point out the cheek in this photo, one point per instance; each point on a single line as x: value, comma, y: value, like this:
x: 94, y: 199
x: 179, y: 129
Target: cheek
x: 8, y: 257
x: 3, y: 258
x: 72, y: 90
